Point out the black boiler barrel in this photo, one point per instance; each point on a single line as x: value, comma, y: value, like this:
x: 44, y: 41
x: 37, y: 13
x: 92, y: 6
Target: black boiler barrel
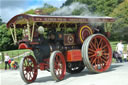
x: 42, y: 52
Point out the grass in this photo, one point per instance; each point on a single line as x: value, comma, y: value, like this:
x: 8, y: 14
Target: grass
x: 14, y: 53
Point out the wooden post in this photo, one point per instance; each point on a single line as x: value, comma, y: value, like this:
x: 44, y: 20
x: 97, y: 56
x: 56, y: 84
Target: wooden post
x: 12, y: 35
x: 28, y: 27
x: 14, y: 25
x: 32, y: 31
x: 2, y: 56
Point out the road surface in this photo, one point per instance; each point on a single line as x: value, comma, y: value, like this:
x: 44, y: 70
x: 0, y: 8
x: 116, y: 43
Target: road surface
x: 116, y: 75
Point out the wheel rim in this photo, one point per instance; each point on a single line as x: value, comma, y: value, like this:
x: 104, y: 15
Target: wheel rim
x: 29, y: 69
x: 99, y: 53
x: 59, y: 69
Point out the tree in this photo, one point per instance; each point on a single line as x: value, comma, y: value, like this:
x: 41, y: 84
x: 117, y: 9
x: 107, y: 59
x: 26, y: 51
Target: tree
x: 6, y: 42
x: 1, y: 21
x: 120, y: 27
x: 101, y: 7
x: 46, y: 9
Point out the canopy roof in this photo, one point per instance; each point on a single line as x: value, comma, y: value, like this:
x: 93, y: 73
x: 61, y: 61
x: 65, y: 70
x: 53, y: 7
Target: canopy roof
x: 22, y: 18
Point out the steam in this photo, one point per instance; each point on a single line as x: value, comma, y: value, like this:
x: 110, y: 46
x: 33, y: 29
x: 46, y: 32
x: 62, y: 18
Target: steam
x: 68, y: 10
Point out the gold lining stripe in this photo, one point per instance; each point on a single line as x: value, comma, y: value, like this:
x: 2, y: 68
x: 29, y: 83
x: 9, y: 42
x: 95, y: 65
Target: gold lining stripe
x: 85, y: 26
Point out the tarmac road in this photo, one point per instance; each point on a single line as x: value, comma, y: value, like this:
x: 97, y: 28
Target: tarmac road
x: 116, y: 75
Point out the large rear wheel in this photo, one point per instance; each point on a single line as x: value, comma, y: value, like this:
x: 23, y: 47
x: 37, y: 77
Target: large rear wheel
x: 97, y: 53
x: 57, y: 65
x: 28, y: 69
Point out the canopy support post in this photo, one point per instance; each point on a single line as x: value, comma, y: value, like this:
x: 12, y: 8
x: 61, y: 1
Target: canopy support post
x: 12, y: 35
x: 28, y: 27
x: 15, y: 37
x: 33, y: 27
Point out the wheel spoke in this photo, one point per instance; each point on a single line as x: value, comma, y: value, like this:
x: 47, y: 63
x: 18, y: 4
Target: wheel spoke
x: 106, y: 57
x: 99, y: 43
x: 103, y: 60
x: 96, y: 43
x: 98, y: 61
x: 94, y: 61
x: 106, y: 54
x: 93, y: 45
x: 104, y: 46
x: 91, y: 50
x: 92, y: 55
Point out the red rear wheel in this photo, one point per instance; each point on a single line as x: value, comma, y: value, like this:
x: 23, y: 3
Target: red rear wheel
x: 28, y: 69
x: 97, y: 53
x: 57, y: 65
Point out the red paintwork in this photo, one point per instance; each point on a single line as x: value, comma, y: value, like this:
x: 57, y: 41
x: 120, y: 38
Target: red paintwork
x: 59, y: 66
x: 73, y: 55
x: 34, y: 43
x: 44, y: 66
x: 28, y: 69
x: 23, y: 46
x: 100, y: 54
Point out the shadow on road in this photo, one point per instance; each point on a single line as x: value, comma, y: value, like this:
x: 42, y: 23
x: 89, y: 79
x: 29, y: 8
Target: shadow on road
x: 44, y: 79
x: 83, y: 73
x: 113, y: 67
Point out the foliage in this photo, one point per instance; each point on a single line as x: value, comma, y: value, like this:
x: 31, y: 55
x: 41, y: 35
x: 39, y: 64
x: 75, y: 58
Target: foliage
x: 120, y: 27
x: 46, y: 9
x: 102, y: 7
x: 1, y: 22
x: 6, y: 42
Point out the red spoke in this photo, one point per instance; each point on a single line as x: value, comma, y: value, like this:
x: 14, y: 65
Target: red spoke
x: 92, y: 55
x: 103, y: 60
x: 104, y: 46
x: 106, y: 57
x: 101, y: 63
x: 94, y: 61
x: 91, y: 50
x: 91, y: 59
x: 106, y: 54
x: 55, y: 65
x: 98, y: 60
x: 96, y: 43
x: 100, y: 43
x: 30, y: 74
x: 104, y: 50
x: 93, y: 45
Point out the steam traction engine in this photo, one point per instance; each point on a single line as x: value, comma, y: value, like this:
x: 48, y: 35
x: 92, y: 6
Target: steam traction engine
x: 60, y: 44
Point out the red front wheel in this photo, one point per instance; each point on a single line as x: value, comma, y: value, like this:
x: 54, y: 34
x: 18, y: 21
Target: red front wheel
x: 28, y: 69
x: 97, y: 53
x: 57, y: 65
